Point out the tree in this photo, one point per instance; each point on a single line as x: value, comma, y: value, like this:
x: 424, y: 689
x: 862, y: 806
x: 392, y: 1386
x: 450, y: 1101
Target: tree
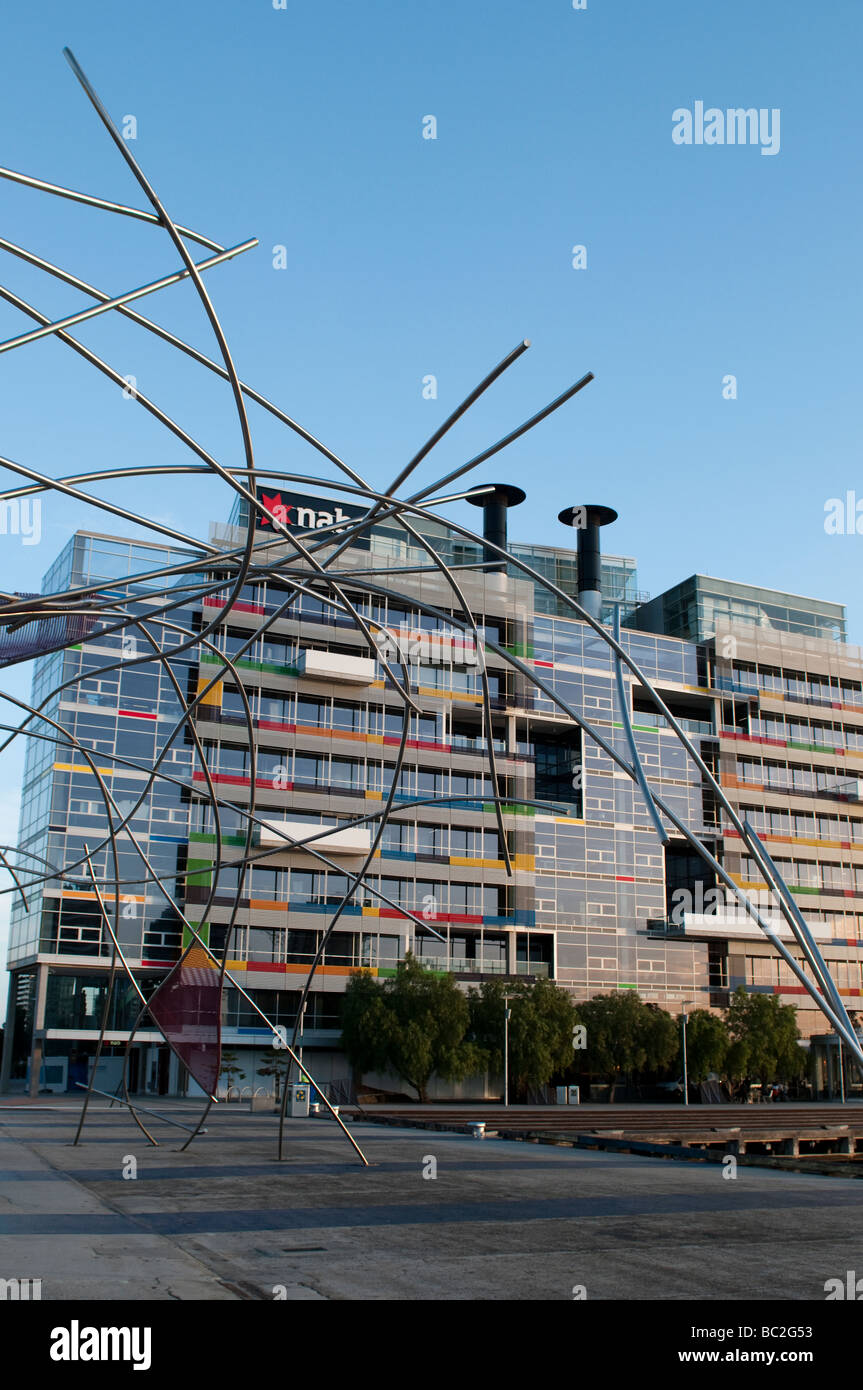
x: 365, y: 1024
x: 413, y: 1024
x: 765, y: 1037
x: 540, y: 1029
x: 229, y: 1069
x: 764, y: 1033
x: 707, y: 1044
x: 625, y: 1035
x: 277, y: 1067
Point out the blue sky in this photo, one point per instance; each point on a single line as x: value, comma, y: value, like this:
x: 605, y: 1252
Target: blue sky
x: 408, y: 257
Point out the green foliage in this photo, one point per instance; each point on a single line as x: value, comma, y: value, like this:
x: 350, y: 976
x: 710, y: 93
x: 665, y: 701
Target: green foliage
x: 625, y: 1035
x: 413, y: 1024
x: 229, y: 1069
x: 658, y: 1038
x: 707, y: 1044
x: 277, y: 1066
x: 365, y: 1023
x: 540, y: 1029
x: 764, y: 1034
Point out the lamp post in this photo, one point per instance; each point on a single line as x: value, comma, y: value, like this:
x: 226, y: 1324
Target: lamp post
x: 685, y: 1071
x: 301, y: 1073
x: 507, y: 1011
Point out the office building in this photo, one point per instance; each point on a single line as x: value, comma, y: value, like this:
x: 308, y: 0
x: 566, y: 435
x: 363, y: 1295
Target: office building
x: 595, y: 902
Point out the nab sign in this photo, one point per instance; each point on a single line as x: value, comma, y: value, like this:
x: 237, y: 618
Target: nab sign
x: 298, y: 513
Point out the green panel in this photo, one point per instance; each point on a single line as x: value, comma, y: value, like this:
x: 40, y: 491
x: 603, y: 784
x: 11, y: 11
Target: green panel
x: 199, y: 872
x: 203, y: 930
x: 198, y: 837
x: 271, y: 668
x: 388, y: 971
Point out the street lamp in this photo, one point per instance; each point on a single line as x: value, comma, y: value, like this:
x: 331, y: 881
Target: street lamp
x: 507, y: 1011
x: 301, y: 1073
x: 685, y: 1071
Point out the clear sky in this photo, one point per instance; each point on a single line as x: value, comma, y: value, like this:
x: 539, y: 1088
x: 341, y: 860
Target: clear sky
x: 408, y: 257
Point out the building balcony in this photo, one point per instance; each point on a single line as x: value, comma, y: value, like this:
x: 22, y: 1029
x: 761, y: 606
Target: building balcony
x: 354, y: 839
x: 733, y: 925
x: 466, y: 965
x: 336, y: 667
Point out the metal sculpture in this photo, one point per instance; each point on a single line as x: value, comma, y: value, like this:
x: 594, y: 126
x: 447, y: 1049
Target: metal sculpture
x: 186, y: 1005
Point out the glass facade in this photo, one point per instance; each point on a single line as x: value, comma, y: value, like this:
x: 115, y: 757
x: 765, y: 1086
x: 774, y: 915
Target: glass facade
x: 694, y: 608
x: 594, y: 900
x: 109, y: 721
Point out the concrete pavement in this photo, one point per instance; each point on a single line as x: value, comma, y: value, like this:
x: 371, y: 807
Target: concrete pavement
x: 498, y: 1220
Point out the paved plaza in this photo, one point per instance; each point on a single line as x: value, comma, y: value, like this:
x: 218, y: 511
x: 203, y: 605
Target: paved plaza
x: 500, y: 1220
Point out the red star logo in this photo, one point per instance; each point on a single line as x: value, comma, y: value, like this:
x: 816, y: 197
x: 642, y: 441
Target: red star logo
x: 274, y: 507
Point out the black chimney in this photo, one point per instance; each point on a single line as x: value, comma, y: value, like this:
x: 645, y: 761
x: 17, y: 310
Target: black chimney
x: 494, y: 505
x: 587, y: 520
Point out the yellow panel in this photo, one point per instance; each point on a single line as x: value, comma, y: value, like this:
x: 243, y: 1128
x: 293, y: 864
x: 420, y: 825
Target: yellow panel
x: 213, y: 696
x: 83, y: 767
x: 479, y: 863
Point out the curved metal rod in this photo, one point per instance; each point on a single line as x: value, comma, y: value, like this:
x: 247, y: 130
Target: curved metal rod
x: 456, y: 415
x: 612, y: 753
x: 224, y: 975
x: 73, y: 742
x: 242, y: 565
x: 140, y: 213
x: 185, y: 438
x: 106, y: 1012
x: 587, y: 618
x: 83, y: 315
x: 226, y: 953
x: 805, y: 940
x: 305, y: 843
x: 174, y: 341
x: 174, y: 234
x: 443, y: 429
x: 143, y: 1108
x: 326, y: 935
x: 623, y: 704
x: 684, y: 830
x: 397, y: 770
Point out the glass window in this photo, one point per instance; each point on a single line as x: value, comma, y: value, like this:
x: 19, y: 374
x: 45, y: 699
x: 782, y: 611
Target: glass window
x: 303, y: 886
x: 311, y: 711
x: 431, y: 839
x: 265, y: 883
x: 233, y: 760
x: 348, y: 716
